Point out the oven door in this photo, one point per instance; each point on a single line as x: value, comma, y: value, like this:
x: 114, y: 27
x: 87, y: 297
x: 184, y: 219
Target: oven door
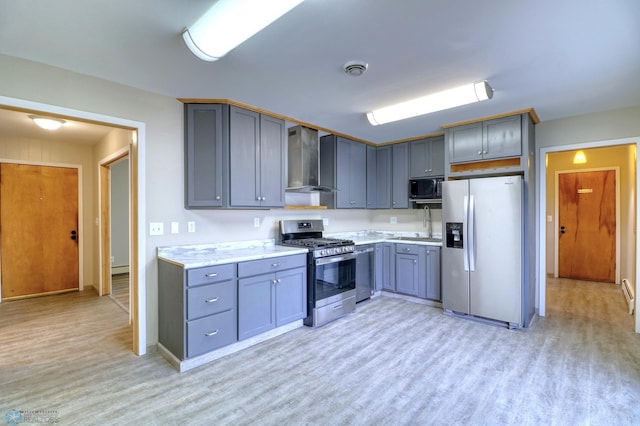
x: 335, y: 278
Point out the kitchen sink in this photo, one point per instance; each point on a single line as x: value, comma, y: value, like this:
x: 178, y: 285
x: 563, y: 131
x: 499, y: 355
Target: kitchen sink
x: 421, y: 239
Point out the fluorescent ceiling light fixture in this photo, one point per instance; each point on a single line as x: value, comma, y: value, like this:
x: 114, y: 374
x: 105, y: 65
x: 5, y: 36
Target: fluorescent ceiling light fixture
x: 469, y: 93
x: 47, y: 123
x: 229, y: 23
x: 579, y: 158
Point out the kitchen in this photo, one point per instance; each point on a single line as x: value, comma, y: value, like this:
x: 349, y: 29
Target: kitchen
x: 162, y: 168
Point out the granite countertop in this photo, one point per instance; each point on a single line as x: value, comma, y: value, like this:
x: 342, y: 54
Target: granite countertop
x: 372, y: 237
x: 199, y: 255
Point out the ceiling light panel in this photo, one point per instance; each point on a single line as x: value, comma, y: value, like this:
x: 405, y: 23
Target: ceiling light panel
x: 229, y: 23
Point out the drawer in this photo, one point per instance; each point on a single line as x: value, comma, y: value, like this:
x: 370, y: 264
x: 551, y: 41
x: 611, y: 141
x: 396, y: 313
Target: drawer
x: 211, y: 299
x: 210, y: 274
x: 408, y: 248
x: 212, y: 332
x: 274, y: 264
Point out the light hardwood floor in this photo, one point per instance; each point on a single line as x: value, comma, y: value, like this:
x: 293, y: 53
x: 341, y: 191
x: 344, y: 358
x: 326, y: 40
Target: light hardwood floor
x: 120, y: 290
x: 390, y: 363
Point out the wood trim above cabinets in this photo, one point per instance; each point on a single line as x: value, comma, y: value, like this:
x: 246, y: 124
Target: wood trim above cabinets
x: 532, y: 114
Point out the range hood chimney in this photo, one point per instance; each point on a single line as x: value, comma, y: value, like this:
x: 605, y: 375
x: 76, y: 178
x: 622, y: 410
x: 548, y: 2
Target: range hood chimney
x: 304, y: 161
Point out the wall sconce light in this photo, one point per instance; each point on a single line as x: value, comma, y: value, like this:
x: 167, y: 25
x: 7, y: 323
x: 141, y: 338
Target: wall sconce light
x: 229, y: 23
x: 579, y: 158
x: 47, y: 123
x: 469, y: 93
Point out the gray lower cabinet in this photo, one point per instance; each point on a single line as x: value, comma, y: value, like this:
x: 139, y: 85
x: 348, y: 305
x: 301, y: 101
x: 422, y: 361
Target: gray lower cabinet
x: 427, y: 157
x: 387, y: 266
x: 271, y: 293
x: 197, y: 308
x: 434, y: 286
x: 410, y: 269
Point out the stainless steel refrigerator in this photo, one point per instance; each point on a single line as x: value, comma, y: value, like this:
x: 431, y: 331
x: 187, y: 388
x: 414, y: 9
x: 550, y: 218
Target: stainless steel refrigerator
x: 482, y: 255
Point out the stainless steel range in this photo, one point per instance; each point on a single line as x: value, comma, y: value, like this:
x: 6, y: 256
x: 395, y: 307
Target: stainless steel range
x: 331, y: 270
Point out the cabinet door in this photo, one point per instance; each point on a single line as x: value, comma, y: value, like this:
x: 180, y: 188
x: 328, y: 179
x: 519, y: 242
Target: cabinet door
x: 436, y: 156
x: 244, y: 134
x: 343, y: 172
x: 272, y: 157
x: 291, y: 295
x: 256, y: 313
x: 384, y: 166
x: 433, y: 274
x: 203, y: 155
x: 358, y: 175
x: 502, y: 138
x: 372, y: 176
x: 212, y: 332
x: 419, y: 153
x: 388, y: 267
x: 377, y: 268
x: 465, y: 143
x: 400, y: 180
x: 407, y: 274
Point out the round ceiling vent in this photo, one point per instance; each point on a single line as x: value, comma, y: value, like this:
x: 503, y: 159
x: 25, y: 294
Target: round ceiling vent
x: 355, y: 68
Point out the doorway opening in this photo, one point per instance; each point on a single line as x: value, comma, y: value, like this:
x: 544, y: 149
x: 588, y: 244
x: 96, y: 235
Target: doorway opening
x: 619, y: 158
x: 115, y: 236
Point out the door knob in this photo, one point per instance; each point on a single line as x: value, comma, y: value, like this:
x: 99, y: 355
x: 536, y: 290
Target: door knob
x: 562, y: 229
x: 74, y: 235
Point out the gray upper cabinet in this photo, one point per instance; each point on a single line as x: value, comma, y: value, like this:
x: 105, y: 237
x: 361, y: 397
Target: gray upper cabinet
x: 498, y: 138
x: 379, y: 177
x: 205, y: 164
x: 257, y: 159
x: 400, y: 176
x: 427, y: 157
x: 343, y: 165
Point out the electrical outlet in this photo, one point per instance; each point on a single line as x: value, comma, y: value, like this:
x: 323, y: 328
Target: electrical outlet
x: 256, y: 222
x: 156, y: 228
x: 393, y: 220
x: 325, y: 221
x: 191, y: 227
x: 113, y: 259
x: 175, y: 227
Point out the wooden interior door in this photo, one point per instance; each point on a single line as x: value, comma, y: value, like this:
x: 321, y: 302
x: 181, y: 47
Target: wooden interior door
x: 39, y: 230
x: 587, y: 225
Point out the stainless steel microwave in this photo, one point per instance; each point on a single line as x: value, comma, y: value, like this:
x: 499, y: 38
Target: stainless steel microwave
x: 425, y: 188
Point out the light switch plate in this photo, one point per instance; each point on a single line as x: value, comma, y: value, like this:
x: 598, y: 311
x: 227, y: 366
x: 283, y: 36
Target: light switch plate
x: 325, y: 221
x: 256, y: 222
x: 191, y: 226
x: 156, y: 228
x: 175, y: 227
x: 394, y: 219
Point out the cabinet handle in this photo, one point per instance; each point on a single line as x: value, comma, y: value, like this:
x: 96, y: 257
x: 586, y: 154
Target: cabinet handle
x: 485, y: 151
x: 211, y: 333
x: 275, y: 265
x: 415, y: 262
x: 215, y: 299
x: 217, y: 197
x: 337, y: 307
x: 211, y: 275
x: 479, y: 152
x: 406, y: 249
x: 275, y: 281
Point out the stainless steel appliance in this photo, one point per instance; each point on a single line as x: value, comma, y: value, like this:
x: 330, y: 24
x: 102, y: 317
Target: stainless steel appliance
x: 425, y: 188
x: 365, y: 274
x: 331, y: 270
x: 483, y: 254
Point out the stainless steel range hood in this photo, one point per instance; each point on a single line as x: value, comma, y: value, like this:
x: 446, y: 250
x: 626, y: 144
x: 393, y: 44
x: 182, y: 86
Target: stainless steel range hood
x: 304, y: 161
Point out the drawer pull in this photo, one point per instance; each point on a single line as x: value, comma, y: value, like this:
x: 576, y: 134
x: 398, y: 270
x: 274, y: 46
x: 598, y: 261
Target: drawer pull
x: 212, y: 333
x: 406, y: 249
x: 275, y: 265
x: 215, y: 299
x: 211, y: 275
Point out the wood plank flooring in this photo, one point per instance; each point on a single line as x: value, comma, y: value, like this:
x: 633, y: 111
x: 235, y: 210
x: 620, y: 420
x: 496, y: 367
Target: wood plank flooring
x: 120, y: 290
x: 391, y: 363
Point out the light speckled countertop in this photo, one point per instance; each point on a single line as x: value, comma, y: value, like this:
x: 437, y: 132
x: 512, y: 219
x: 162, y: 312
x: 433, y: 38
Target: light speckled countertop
x: 199, y: 255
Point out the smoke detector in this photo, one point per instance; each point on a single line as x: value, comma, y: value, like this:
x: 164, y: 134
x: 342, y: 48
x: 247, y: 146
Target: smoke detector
x: 355, y: 68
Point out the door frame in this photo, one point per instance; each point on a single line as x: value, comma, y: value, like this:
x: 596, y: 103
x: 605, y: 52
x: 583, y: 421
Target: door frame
x: 137, y: 190
x: 104, y: 221
x: 78, y: 167
x: 556, y: 214
x: 541, y: 208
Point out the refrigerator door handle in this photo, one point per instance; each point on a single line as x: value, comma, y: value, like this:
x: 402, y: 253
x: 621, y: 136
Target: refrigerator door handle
x: 471, y: 239
x: 465, y: 245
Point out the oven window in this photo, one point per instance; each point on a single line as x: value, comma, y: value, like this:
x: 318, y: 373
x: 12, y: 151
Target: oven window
x: 335, y: 278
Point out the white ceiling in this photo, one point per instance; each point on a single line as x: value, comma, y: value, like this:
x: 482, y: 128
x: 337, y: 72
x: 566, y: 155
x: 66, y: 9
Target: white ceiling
x: 561, y: 57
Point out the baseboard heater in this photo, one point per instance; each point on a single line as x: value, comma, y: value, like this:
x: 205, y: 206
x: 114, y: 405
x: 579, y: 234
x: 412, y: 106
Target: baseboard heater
x: 629, y: 294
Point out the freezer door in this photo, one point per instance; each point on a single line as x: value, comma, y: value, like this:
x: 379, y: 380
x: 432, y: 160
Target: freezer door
x: 496, y: 282
x: 455, y: 279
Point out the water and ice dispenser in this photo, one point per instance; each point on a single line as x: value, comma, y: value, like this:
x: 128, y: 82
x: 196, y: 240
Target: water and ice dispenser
x: 454, y: 237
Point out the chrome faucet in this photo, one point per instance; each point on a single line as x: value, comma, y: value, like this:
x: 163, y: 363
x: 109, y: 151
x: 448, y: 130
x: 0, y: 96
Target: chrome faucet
x: 427, y: 210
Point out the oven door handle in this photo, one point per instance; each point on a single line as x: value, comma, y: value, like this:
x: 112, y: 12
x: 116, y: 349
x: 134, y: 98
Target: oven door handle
x: 334, y: 259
